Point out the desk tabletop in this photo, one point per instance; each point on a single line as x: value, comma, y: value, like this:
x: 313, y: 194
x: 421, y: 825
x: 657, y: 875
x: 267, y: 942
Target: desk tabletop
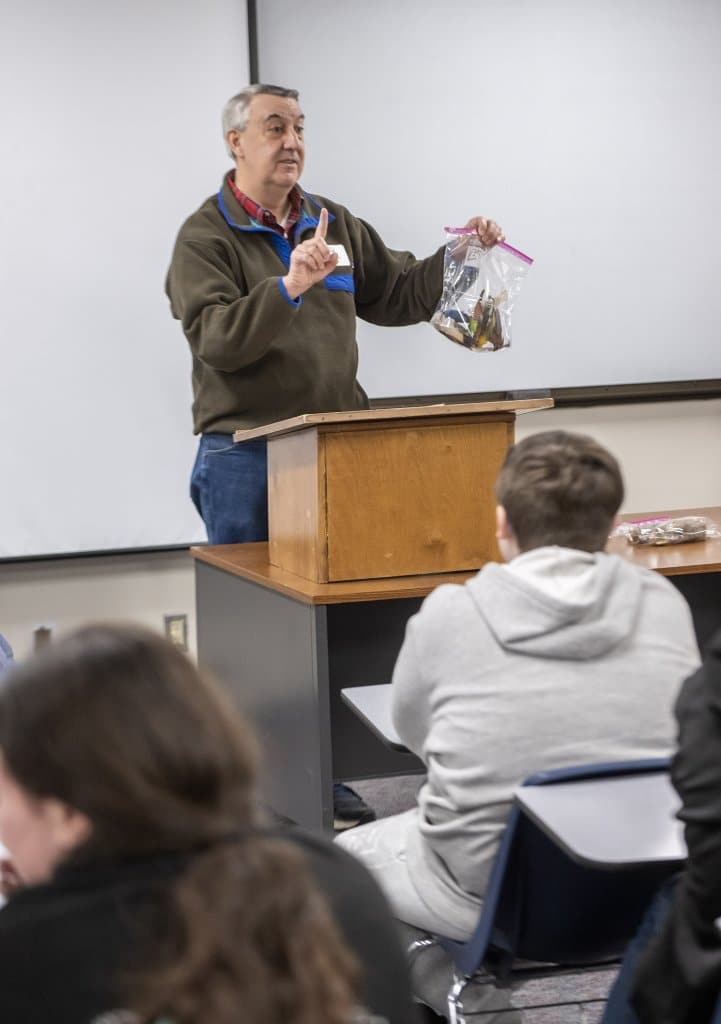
x: 673, y: 559
x: 611, y: 822
x: 372, y: 704
x: 250, y: 561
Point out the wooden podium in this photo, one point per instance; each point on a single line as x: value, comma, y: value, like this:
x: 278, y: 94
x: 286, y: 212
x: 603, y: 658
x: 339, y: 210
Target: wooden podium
x: 386, y: 492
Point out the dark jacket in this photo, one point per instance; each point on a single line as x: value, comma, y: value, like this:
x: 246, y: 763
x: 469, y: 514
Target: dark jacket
x: 259, y: 356
x: 64, y: 944
x: 679, y: 977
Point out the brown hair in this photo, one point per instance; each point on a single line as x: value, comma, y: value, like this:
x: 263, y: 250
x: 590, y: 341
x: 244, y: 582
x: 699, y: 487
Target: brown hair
x: 117, y: 723
x: 560, y: 488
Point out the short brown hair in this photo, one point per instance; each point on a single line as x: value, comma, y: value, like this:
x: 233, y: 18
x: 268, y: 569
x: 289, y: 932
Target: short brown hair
x: 560, y: 488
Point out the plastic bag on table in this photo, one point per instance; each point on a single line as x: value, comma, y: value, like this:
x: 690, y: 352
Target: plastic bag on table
x: 479, y: 289
x: 671, y: 530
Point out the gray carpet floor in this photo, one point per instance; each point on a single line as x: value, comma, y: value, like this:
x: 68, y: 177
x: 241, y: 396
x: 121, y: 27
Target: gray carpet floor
x: 564, y: 999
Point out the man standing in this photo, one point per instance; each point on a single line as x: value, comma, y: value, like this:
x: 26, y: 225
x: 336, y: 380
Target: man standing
x: 267, y: 281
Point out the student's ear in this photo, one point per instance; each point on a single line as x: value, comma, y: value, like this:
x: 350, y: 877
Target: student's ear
x: 71, y: 828
x: 503, y: 530
x: 505, y: 536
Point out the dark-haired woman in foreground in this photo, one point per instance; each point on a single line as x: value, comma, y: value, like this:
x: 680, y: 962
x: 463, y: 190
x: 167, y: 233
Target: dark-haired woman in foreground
x: 127, y: 805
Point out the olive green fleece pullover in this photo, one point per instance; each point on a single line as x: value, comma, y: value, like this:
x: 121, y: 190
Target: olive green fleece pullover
x: 258, y: 356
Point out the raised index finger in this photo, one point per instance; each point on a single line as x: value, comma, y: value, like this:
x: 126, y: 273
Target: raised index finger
x: 322, y: 229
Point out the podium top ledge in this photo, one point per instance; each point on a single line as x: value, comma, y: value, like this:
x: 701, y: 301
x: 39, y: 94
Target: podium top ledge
x: 315, y: 419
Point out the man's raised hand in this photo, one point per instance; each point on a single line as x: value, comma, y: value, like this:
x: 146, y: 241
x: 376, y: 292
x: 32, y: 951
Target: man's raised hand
x: 310, y: 261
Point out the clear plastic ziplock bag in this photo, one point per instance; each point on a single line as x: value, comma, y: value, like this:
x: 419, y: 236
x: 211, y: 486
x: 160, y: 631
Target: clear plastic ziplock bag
x: 479, y: 288
x: 668, y: 530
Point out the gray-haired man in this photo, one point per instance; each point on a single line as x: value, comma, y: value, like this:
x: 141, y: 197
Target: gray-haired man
x: 267, y: 281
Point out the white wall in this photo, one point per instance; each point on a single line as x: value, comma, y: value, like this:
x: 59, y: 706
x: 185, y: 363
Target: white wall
x: 65, y: 593
x: 590, y: 131
x: 668, y: 452
x: 111, y: 137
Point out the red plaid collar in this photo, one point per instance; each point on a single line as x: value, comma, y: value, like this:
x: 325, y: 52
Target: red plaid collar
x: 265, y: 217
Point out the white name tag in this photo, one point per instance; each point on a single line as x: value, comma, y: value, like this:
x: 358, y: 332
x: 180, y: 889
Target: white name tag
x: 342, y: 255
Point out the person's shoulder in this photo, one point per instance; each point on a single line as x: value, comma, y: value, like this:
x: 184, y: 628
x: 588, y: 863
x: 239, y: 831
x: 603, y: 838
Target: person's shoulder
x: 204, y: 222
x: 316, y: 201
x: 38, y: 910
x: 314, y: 204
x: 75, y: 891
x: 59, y: 947
x: 660, y: 603
x: 661, y: 610
x: 625, y: 570
x: 451, y: 599
x: 653, y: 583
x: 445, y: 597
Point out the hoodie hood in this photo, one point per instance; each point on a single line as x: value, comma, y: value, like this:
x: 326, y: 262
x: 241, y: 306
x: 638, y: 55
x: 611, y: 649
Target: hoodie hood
x: 559, y: 602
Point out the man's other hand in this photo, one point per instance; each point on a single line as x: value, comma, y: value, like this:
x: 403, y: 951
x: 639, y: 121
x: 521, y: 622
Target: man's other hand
x: 310, y: 261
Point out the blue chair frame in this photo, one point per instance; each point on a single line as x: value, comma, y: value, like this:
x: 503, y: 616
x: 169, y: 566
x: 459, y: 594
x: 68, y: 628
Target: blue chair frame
x: 542, y: 906
x: 717, y: 1012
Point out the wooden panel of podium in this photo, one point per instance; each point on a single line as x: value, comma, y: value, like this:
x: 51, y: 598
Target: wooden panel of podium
x: 386, y: 492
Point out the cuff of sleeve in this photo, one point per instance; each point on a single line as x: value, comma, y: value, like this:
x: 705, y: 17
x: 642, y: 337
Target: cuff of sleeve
x: 293, y: 302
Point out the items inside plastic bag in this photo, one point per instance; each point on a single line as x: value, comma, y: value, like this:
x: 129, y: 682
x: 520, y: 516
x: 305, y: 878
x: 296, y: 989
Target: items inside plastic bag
x: 479, y: 288
x: 676, y: 530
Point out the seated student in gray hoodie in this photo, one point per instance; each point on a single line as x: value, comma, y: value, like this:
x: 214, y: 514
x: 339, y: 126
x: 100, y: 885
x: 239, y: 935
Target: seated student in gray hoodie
x: 564, y: 655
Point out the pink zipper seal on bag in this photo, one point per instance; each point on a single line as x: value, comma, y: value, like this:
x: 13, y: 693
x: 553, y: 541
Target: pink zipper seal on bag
x: 516, y: 252
x: 501, y: 245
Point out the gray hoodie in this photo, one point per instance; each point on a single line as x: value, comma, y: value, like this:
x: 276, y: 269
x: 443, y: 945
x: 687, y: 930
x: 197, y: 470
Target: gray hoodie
x: 559, y: 658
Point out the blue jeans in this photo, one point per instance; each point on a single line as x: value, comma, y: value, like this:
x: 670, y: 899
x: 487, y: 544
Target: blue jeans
x: 618, y: 1008
x: 229, y: 487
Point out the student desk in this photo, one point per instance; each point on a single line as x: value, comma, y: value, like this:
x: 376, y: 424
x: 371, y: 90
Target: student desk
x: 285, y: 647
x: 372, y: 704
x: 609, y: 822
x: 695, y: 569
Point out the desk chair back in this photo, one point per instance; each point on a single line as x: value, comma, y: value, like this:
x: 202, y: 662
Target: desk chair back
x: 717, y: 1012
x: 541, y: 905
